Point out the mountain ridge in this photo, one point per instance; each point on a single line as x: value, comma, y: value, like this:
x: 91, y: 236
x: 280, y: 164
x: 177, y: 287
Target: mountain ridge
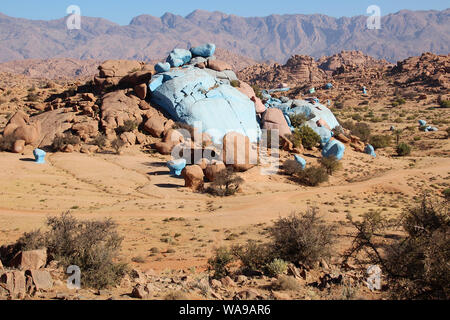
x: 274, y: 37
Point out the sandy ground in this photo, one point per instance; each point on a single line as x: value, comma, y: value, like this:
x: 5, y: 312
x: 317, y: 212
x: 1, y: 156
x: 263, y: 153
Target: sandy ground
x: 154, y: 210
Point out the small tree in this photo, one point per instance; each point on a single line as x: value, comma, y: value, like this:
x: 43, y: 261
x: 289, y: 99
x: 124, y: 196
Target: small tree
x: 403, y: 149
x: 220, y: 262
x: 226, y: 183
x: 306, y: 137
x: 331, y: 164
x: 311, y: 176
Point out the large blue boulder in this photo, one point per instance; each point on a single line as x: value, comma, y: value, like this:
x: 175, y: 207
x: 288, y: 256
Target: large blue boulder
x: 206, y: 50
x: 39, y: 155
x: 195, y: 97
x: 162, y: 67
x: 370, y: 150
x: 179, y: 57
x: 334, y: 148
x: 301, y: 161
x: 316, y: 114
x: 176, y: 166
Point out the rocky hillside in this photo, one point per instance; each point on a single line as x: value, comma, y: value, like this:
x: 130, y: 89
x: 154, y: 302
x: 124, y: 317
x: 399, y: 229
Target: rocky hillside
x: 275, y: 37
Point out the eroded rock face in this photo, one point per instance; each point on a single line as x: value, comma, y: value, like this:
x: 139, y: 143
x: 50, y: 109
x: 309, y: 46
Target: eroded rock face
x: 117, y: 107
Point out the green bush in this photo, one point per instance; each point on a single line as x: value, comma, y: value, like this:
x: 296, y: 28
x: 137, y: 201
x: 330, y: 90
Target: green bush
x: 298, y: 120
x: 359, y: 129
x: 220, y: 262
x: 253, y: 256
x: 311, y: 176
x: 91, y: 245
x: 306, y: 137
x: 380, y: 141
x: 331, y: 164
x: 446, y: 193
x: 276, y: 267
x: 403, y: 149
x: 235, y: 83
x: 445, y: 103
x: 303, y: 237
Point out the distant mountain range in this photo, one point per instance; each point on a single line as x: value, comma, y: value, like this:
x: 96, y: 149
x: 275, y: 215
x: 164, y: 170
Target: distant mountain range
x: 274, y: 38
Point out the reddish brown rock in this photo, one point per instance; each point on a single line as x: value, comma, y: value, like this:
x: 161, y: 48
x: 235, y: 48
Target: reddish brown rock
x: 155, y: 126
x: 273, y: 118
x: 193, y: 177
x: 259, y: 106
x: 212, y: 170
x: 164, y: 148
x: 141, y: 91
x: 42, y: 279
x: 218, y: 65
x: 29, y: 260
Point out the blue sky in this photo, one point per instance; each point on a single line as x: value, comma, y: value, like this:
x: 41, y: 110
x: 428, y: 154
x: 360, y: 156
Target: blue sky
x: 121, y: 11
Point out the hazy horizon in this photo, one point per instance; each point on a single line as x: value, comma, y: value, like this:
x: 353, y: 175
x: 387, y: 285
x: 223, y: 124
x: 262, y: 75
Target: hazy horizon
x: 123, y: 13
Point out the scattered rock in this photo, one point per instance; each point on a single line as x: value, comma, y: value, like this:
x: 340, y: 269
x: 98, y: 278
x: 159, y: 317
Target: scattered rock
x: 193, y: 177
x: 29, y: 260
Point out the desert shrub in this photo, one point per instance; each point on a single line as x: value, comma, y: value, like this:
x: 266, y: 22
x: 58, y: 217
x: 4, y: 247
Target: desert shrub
x: 446, y: 193
x: 311, y: 176
x: 291, y: 167
x: 258, y: 91
x: 444, y: 103
x: 380, y: 141
x: 305, y: 136
x: 331, y: 164
x: 415, y: 263
x: 91, y: 245
x: 7, y: 143
x: 302, y: 237
x: 298, y: 120
x: 128, y: 126
x: 359, y: 129
x: 403, y: 149
x: 253, y: 256
x: 226, y: 183
x: 100, y: 141
x: 220, y: 262
x: 235, y: 83
x: 399, y: 101
x: 117, y: 144
x: 60, y: 141
x: 276, y: 267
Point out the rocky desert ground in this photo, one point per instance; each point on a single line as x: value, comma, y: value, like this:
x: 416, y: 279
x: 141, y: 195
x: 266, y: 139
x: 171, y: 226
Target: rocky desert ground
x: 171, y: 231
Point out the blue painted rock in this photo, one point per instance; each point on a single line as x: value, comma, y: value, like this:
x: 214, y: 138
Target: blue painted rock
x: 194, y: 97
x: 176, y: 166
x: 206, y: 50
x: 301, y: 161
x: 179, y: 57
x: 39, y: 155
x: 422, y: 123
x: 162, y: 67
x: 370, y: 150
x: 329, y: 85
x: 334, y: 148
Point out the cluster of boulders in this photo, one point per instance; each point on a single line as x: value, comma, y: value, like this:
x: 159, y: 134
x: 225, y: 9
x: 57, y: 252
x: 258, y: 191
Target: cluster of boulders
x: 428, y: 69
x: 25, y: 274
